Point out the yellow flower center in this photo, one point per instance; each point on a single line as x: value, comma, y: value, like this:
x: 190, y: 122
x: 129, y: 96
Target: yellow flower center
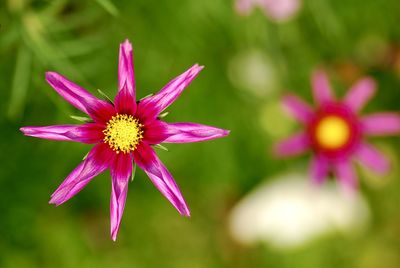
x: 123, y: 133
x: 332, y: 132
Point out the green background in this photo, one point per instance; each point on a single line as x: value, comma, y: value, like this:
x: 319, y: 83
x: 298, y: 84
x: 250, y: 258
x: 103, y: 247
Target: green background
x: 80, y: 40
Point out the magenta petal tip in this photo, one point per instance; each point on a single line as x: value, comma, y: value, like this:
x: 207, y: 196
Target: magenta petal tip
x: 184, y: 210
x: 24, y: 130
x: 50, y: 75
x: 127, y: 43
x: 54, y: 201
x: 114, y: 234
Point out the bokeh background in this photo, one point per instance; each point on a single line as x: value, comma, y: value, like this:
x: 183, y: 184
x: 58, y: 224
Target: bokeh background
x: 251, y: 59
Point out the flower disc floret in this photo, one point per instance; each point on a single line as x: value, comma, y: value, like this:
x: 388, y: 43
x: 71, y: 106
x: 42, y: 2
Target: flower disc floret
x: 123, y: 133
x: 332, y: 132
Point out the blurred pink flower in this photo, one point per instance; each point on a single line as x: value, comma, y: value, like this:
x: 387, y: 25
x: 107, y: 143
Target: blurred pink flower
x: 123, y: 132
x: 335, y: 133
x: 278, y: 10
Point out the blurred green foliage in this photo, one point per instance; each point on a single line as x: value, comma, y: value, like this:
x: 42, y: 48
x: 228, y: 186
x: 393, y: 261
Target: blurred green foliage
x: 80, y: 40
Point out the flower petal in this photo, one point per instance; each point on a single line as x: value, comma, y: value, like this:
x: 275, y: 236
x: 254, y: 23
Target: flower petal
x: 381, y: 124
x: 191, y: 132
x: 96, y: 162
x: 360, y: 93
x: 298, y: 108
x: 121, y: 171
x: 86, y: 133
x: 372, y: 158
x: 346, y: 175
x: 146, y: 159
x: 244, y: 7
x: 126, y: 76
x: 319, y: 169
x: 125, y: 101
x: 98, y: 110
x: 294, y: 145
x: 152, y: 106
x: 155, y: 132
x: 321, y: 88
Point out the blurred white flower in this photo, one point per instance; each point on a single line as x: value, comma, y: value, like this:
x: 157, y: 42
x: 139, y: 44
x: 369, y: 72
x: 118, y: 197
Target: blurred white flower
x: 278, y: 10
x: 254, y: 72
x: 290, y: 211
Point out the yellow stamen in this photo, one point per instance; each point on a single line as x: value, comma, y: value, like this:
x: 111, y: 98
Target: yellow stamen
x: 332, y: 132
x: 123, y: 133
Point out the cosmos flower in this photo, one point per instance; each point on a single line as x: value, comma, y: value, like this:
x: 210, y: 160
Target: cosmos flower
x: 336, y: 133
x: 123, y: 133
x: 278, y: 10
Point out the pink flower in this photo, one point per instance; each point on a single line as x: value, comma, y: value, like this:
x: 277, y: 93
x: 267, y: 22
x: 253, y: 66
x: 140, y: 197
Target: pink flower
x: 335, y: 133
x: 123, y: 133
x: 279, y: 10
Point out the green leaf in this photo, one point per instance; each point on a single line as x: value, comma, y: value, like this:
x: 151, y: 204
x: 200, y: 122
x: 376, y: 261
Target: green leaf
x: 163, y: 115
x: 85, y: 156
x: 108, y: 6
x: 105, y: 95
x: 83, y: 119
x: 133, y: 171
x: 20, y: 83
x: 161, y: 147
x: 147, y: 96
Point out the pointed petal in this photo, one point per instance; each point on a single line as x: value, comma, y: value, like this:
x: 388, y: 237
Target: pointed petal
x: 381, y: 124
x: 191, y: 132
x: 121, y: 171
x: 96, y: 162
x: 360, y: 94
x: 298, y: 108
x: 294, y: 145
x: 126, y: 75
x: 373, y: 159
x: 125, y: 101
x: 152, y: 106
x: 147, y: 160
x: 319, y: 169
x: 155, y: 132
x: 98, y: 110
x: 321, y: 88
x: 346, y: 176
x: 86, y: 133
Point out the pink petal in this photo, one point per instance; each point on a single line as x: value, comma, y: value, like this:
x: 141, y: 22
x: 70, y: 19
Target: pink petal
x: 360, y: 94
x: 373, y: 159
x: 321, y: 88
x: 319, y: 169
x: 86, y: 133
x: 280, y: 10
x: 126, y: 76
x: 298, y: 108
x: 346, y: 176
x: 244, y: 7
x: 98, y: 110
x: 125, y: 101
x: 146, y: 159
x: 294, y: 145
x: 121, y: 171
x: 381, y: 124
x: 155, y: 132
x: 151, y: 107
x: 191, y: 132
x: 96, y: 162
